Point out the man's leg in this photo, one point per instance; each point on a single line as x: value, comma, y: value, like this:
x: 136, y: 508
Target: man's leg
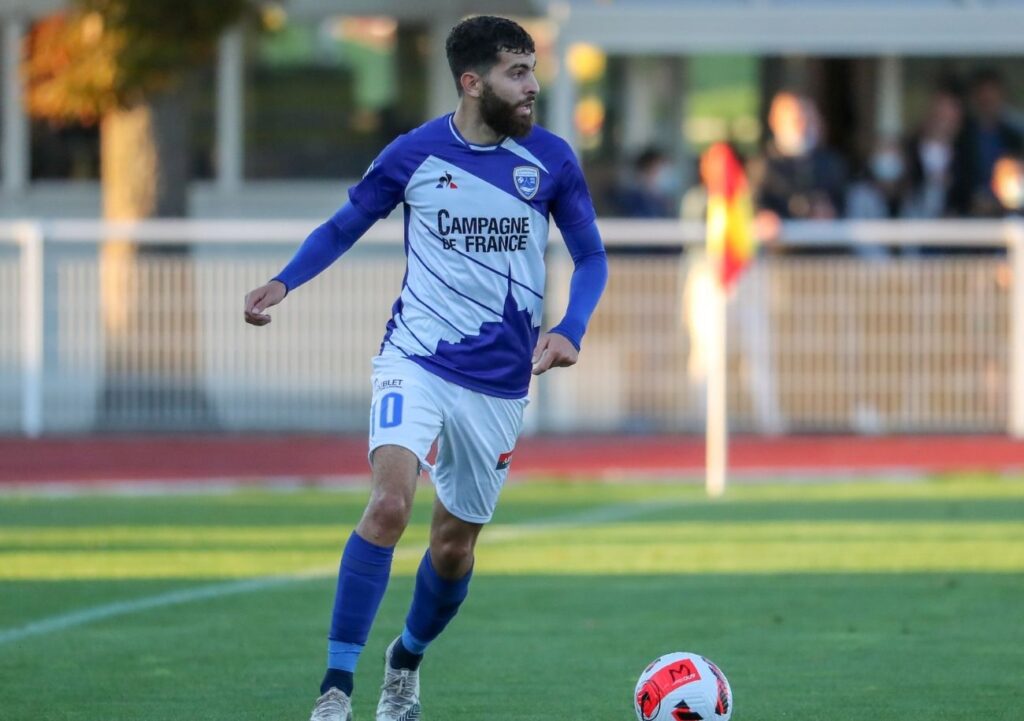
x: 474, y: 450
x: 366, y: 562
x: 405, y: 418
x: 442, y: 583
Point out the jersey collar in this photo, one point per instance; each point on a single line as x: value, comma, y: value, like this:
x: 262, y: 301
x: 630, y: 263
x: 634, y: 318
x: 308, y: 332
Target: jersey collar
x: 471, y: 146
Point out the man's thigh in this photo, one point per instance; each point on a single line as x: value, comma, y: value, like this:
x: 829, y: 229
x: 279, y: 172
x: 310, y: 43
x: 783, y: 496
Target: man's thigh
x: 407, y: 408
x: 474, y: 452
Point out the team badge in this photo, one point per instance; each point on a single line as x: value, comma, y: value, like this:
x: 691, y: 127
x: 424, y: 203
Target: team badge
x: 527, y: 180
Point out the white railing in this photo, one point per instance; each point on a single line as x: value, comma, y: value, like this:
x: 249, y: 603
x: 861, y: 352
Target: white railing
x: 916, y: 341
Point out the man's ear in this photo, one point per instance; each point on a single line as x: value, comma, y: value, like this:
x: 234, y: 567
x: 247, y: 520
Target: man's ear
x: 472, y: 84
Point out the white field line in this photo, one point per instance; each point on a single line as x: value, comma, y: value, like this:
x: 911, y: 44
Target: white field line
x: 73, y: 619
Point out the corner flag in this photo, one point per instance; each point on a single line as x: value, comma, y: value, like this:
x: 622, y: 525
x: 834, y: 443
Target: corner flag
x: 731, y: 244
x: 730, y: 248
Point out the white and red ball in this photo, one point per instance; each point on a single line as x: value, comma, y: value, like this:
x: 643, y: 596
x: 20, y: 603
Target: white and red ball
x: 682, y: 687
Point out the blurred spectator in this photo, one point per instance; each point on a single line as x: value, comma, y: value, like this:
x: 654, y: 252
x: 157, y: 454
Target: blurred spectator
x: 880, y: 191
x: 929, y: 156
x: 651, y: 189
x: 796, y: 177
x: 987, y: 135
x: 1008, y: 184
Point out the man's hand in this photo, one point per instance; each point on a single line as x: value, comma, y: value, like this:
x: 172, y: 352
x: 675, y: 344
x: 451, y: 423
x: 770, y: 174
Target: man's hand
x: 553, y: 351
x: 262, y: 298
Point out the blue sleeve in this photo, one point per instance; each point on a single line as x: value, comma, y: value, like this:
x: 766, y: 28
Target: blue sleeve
x: 572, y: 207
x: 382, y: 186
x: 588, y: 281
x: 325, y: 245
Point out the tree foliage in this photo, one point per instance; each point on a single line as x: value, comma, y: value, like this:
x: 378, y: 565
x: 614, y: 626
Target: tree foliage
x: 107, y: 54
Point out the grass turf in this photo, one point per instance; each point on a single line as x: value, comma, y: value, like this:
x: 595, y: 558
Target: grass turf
x: 832, y: 601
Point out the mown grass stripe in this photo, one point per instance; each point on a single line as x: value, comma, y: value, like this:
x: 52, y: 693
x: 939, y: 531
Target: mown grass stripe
x: 65, y: 621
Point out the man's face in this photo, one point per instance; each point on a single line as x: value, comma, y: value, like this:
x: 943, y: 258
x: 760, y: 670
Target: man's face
x: 988, y: 101
x: 792, y: 124
x: 509, y: 91
x: 946, y: 116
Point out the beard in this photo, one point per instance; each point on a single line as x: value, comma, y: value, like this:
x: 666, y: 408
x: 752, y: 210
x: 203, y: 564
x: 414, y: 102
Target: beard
x: 502, y: 117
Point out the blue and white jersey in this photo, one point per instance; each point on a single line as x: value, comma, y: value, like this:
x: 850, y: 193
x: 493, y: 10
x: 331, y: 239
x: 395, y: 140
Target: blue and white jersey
x: 476, y: 228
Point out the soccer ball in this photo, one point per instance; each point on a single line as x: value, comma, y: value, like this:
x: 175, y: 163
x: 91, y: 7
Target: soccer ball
x: 682, y: 687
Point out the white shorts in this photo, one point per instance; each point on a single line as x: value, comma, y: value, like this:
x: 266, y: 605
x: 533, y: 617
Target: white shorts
x: 475, y: 433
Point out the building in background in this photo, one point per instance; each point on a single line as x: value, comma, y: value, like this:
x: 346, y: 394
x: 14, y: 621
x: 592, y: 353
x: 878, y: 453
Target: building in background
x: 296, y: 107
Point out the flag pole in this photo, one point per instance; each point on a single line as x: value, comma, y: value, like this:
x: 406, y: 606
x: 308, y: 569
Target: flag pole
x: 730, y: 246
x: 717, y: 424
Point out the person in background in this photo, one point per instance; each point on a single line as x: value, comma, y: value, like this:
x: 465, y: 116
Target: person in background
x: 987, y: 135
x: 796, y: 177
x: 651, y: 189
x: 880, y: 191
x: 929, y: 153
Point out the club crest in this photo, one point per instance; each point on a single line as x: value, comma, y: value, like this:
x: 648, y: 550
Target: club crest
x: 527, y: 180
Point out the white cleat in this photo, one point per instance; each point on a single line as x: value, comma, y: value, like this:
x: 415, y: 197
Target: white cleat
x: 400, y: 693
x: 335, y: 705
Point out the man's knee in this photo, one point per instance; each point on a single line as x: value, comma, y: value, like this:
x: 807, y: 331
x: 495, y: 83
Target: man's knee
x: 389, y: 510
x: 394, y: 484
x: 452, y: 556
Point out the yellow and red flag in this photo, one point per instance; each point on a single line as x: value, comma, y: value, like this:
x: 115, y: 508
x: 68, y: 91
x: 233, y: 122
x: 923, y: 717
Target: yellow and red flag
x: 731, y: 243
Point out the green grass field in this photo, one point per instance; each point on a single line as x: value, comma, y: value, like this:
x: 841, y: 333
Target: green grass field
x: 821, y: 602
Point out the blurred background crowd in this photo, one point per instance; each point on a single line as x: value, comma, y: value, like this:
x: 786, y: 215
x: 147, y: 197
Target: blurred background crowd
x: 960, y: 159
x: 846, y: 136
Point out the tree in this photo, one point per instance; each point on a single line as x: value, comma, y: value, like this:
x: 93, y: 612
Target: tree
x: 125, y: 64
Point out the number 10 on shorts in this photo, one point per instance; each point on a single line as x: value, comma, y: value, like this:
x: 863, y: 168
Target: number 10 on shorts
x: 390, y: 409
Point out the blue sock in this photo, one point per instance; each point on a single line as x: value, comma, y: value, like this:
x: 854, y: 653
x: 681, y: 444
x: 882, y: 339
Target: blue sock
x: 362, y: 579
x: 435, y: 601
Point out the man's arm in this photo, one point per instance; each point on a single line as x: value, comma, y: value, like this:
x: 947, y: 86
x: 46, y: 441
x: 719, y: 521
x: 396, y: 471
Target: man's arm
x: 321, y: 248
x: 560, y: 346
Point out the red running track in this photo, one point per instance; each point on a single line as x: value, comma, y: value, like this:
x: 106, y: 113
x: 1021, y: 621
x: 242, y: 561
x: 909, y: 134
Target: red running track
x: 261, y: 458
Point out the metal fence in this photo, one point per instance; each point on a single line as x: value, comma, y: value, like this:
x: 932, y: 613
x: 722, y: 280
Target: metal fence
x: 862, y: 327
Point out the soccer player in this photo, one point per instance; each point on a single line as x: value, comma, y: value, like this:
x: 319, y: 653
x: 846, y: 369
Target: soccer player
x: 478, y: 187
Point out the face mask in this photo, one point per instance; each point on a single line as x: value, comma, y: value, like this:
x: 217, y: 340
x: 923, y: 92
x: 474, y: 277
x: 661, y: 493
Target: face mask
x: 666, y: 182
x: 887, y: 167
x: 935, y: 157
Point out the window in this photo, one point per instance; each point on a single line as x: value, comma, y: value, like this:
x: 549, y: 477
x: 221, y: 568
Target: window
x: 323, y: 98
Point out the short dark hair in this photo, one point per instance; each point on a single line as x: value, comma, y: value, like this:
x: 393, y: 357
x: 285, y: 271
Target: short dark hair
x: 474, y: 44
x: 986, y: 76
x: 648, y: 158
x: 949, y: 85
